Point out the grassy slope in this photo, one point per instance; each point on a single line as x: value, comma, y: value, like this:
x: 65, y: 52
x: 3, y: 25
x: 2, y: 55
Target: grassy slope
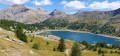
x: 47, y: 50
x: 8, y: 48
x: 94, y: 53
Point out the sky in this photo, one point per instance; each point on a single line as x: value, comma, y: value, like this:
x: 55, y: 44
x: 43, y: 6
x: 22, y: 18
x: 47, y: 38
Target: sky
x: 68, y: 6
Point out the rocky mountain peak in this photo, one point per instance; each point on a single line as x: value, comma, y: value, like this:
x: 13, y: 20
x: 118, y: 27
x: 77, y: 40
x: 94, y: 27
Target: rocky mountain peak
x: 16, y: 5
x: 13, y: 10
x: 24, y: 14
x: 17, y: 8
x: 57, y: 12
x: 39, y: 8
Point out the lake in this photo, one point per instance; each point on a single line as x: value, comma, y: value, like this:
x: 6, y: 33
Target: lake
x: 90, y: 38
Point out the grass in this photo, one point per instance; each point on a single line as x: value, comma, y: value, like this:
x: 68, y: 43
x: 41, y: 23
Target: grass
x: 10, y: 48
x: 47, y: 50
x: 95, y: 53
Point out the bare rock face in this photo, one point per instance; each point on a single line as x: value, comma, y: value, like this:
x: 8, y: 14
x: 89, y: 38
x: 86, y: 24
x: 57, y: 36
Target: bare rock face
x: 13, y: 10
x: 24, y: 14
x: 57, y: 12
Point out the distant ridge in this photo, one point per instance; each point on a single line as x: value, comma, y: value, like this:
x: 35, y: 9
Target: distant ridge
x: 81, y: 12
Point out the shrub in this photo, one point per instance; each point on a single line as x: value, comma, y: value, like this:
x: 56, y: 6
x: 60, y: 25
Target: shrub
x: 36, y: 46
x: 31, y: 40
x: 95, y: 49
x: 86, y: 44
x: 115, y: 51
x: 103, y: 54
x: 101, y: 44
x: 47, y: 43
x: 8, y: 37
x: 54, y: 49
x: 111, y: 52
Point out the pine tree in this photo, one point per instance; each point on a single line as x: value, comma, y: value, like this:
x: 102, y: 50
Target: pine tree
x: 61, y: 46
x: 19, y: 30
x: 20, y: 35
x: 99, y: 51
x: 76, y: 51
x: 111, y: 52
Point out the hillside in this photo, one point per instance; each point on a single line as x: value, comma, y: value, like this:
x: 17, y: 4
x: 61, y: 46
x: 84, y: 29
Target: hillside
x: 81, y: 20
x: 11, y: 25
x: 14, y: 47
x: 98, y: 22
x: 59, y: 28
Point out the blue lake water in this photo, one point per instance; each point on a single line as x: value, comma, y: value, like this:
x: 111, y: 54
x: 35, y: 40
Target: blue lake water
x: 90, y: 38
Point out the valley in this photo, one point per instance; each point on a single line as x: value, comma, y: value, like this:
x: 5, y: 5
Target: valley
x: 20, y: 28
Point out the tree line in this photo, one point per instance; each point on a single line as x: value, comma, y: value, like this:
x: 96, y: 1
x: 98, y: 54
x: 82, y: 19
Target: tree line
x: 6, y: 24
x: 89, y: 26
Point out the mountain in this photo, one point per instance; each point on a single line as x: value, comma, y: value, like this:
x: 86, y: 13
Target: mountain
x: 28, y: 15
x: 103, y: 16
x: 96, y: 21
x: 116, y: 12
x: 24, y: 14
x: 57, y: 12
x: 80, y: 12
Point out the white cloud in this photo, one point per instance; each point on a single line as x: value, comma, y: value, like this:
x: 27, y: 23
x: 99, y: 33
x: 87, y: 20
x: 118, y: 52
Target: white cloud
x: 11, y: 2
x: 63, y: 2
x: 43, y: 2
x: 105, y: 5
x: 74, y: 5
